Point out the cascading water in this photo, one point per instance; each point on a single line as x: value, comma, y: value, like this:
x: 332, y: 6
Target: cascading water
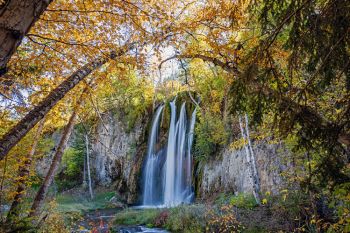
x: 169, y: 189
x: 168, y: 173
x: 150, y: 196
x: 189, y: 194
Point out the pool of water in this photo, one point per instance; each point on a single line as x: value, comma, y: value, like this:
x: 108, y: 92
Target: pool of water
x: 134, y: 229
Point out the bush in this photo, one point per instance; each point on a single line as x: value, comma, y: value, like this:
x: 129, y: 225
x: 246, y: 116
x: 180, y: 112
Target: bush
x: 210, y: 133
x: 223, y: 220
x: 162, y: 218
x: 189, y: 219
x: 245, y: 201
x: 242, y: 200
x: 72, y: 166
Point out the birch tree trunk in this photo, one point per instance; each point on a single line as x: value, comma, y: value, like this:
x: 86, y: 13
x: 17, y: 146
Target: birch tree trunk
x: 12, y: 137
x: 253, y: 176
x: 88, y: 165
x: 16, y: 18
x: 42, y: 192
x: 84, y: 173
x: 255, y: 170
x: 23, y: 174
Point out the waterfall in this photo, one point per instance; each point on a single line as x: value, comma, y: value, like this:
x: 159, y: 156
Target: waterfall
x: 152, y: 160
x: 168, y: 172
x: 169, y: 189
x: 189, y: 192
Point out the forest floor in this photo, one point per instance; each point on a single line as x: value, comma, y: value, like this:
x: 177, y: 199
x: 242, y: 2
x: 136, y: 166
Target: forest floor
x: 105, y: 213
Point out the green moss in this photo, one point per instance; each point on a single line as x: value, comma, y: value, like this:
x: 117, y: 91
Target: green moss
x: 137, y: 217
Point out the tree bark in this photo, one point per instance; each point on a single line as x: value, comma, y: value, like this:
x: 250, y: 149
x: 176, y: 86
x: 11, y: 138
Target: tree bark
x: 252, y: 156
x: 42, y: 192
x: 16, y: 19
x: 12, y: 137
x: 254, y: 177
x: 88, y: 165
x: 23, y: 174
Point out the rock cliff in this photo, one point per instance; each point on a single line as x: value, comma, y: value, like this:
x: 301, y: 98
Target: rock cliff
x: 117, y: 155
x: 230, y: 172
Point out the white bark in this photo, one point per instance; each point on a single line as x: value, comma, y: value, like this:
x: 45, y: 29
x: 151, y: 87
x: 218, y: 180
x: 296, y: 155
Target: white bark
x: 257, y: 182
x: 253, y: 172
x: 84, y: 173
x: 88, y: 165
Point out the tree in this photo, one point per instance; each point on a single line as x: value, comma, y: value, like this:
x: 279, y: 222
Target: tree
x: 23, y: 175
x: 16, y: 19
x: 88, y: 165
x: 56, y: 160
x: 29, y: 121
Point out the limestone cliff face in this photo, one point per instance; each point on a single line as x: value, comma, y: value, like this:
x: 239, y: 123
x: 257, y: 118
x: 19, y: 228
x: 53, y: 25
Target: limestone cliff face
x: 117, y: 155
x: 231, y: 171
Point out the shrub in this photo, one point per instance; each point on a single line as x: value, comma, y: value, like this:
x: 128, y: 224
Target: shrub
x: 242, y: 200
x: 223, y: 220
x: 210, y: 133
x: 188, y: 219
x: 162, y: 218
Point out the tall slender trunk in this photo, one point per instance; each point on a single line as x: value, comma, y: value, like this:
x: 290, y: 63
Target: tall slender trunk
x: 253, y: 173
x: 12, y: 137
x: 16, y: 18
x: 23, y: 174
x: 88, y: 165
x: 42, y: 192
x: 255, y: 170
x: 84, y: 173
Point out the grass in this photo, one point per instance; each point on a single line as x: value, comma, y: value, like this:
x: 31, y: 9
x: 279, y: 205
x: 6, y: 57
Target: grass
x: 79, y: 203
x: 137, y: 217
x: 188, y: 219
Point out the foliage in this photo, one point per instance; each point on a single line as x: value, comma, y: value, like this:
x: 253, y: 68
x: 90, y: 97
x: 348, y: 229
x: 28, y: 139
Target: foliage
x: 341, y: 202
x: 223, y: 220
x: 130, y: 99
x: 186, y: 219
x: 210, y: 134
x: 241, y: 200
x: 54, y: 222
x: 72, y: 164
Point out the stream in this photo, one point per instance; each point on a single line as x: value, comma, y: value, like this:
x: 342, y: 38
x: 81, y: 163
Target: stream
x: 101, y: 221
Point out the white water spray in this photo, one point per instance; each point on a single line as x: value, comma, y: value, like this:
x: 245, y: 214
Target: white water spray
x: 149, y: 195
x: 175, y: 184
